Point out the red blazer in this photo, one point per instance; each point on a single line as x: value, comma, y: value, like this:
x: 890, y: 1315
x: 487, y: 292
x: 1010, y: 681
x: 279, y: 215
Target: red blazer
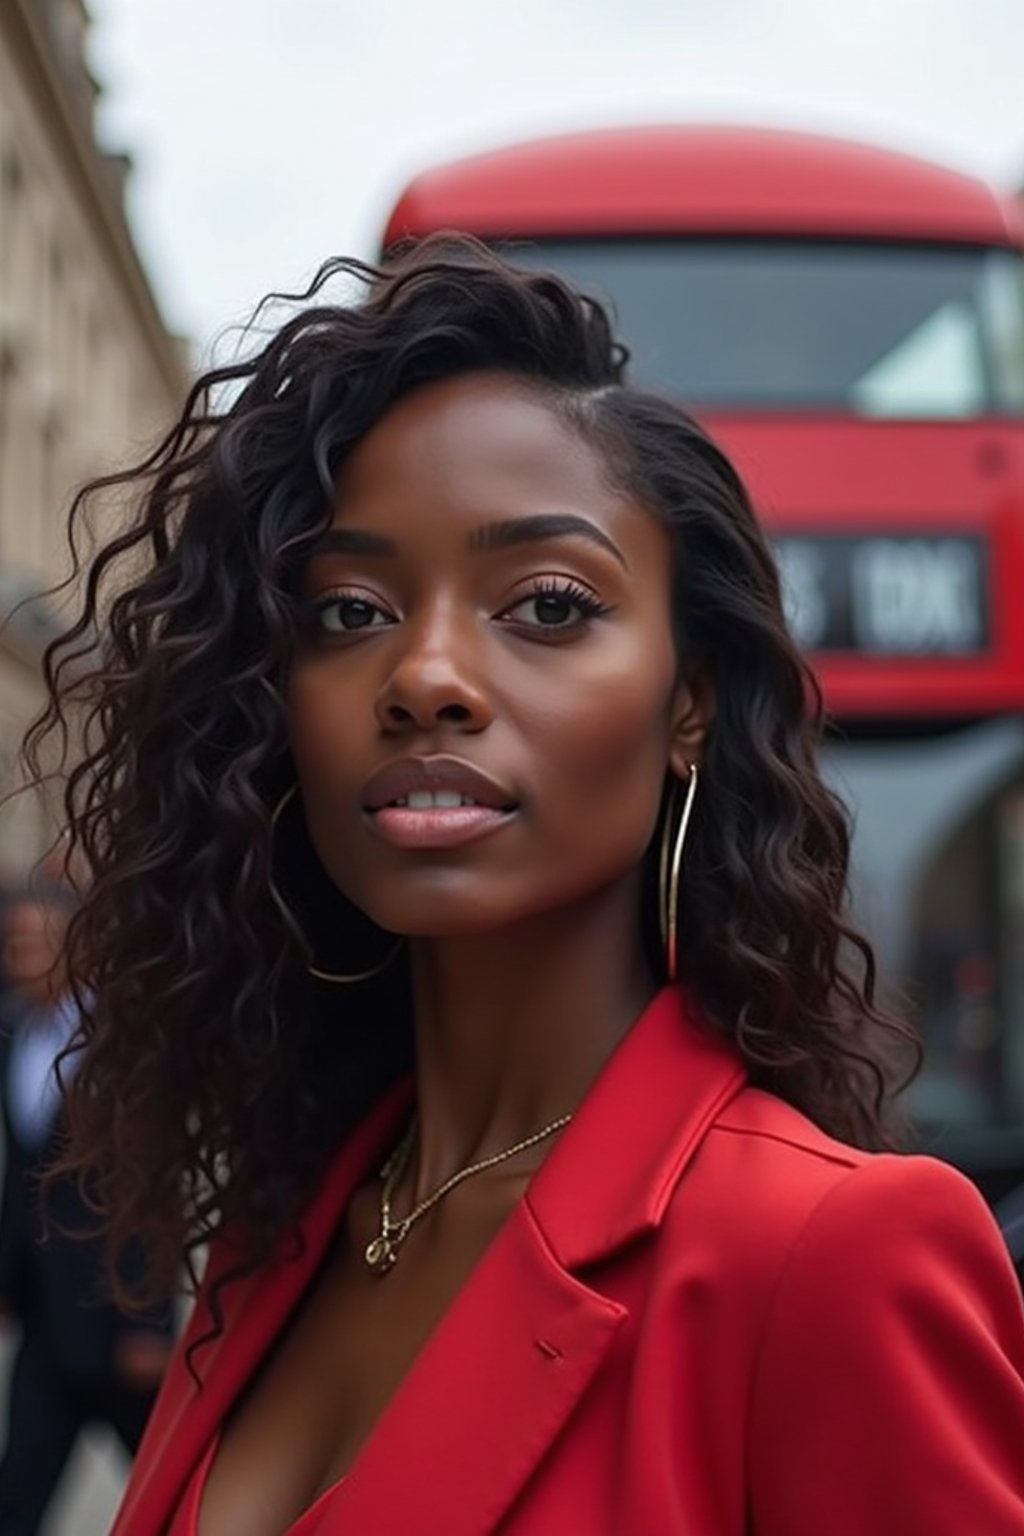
x: 704, y: 1318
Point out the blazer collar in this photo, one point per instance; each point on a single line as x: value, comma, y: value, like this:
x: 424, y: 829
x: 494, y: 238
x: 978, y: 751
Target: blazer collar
x: 611, y: 1174
x: 606, y: 1182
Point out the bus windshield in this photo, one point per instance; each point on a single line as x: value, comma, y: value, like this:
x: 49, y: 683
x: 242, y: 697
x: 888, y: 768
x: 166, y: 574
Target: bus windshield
x: 882, y: 330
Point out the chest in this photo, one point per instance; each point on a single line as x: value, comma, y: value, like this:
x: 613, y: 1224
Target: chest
x: 618, y: 1417
x: 319, y: 1394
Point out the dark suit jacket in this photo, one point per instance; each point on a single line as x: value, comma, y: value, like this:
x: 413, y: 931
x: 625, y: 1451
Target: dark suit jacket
x: 54, y: 1283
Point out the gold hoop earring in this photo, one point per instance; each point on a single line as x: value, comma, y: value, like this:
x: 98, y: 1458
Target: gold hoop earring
x: 668, y: 872
x: 289, y: 916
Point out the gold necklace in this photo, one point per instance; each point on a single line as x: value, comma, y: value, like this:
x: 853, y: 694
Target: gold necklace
x: 381, y: 1253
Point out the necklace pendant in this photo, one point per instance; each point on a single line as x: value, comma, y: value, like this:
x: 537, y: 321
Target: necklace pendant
x: 381, y: 1254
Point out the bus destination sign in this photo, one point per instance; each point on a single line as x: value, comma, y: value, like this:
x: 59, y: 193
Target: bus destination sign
x: 886, y: 594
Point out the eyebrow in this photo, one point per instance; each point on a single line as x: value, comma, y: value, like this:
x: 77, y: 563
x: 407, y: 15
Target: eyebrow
x: 502, y: 535
x: 353, y: 541
x: 546, y: 525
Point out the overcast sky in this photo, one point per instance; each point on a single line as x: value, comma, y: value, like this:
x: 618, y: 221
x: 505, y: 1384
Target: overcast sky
x: 270, y: 133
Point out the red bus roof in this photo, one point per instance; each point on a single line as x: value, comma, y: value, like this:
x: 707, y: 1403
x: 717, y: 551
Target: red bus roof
x: 707, y: 180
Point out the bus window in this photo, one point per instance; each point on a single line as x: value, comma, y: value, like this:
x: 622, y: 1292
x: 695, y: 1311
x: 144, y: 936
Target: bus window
x: 953, y: 980
x: 884, y: 330
x: 939, y: 859
x: 937, y: 369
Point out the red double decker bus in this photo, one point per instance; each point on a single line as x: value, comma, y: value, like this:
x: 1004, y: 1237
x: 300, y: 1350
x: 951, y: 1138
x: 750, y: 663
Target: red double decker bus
x: 849, y: 323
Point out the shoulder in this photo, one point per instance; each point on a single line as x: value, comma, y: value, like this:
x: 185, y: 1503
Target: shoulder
x: 759, y: 1122
x: 868, y: 1308
x: 889, y: 1343
x: 802, y: 1203
x: 771, y: 1162
x: 786, y: 1159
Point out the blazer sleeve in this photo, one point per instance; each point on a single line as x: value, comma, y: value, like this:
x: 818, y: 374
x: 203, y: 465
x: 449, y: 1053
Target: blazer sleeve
x: 889, y: 1390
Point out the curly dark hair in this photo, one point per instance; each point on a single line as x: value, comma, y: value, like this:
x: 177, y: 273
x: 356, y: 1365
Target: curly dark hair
x: 214, y: 1081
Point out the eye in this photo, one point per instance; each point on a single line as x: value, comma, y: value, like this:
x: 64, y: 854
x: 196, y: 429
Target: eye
x: 555, y: 604
x: 344, y: 613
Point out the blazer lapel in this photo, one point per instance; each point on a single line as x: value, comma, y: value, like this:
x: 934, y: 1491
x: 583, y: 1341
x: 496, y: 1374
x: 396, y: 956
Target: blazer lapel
x: 185, y: 1417
x: 499, y: 1377
x: 485, y: 1398
x: 612, y: 1174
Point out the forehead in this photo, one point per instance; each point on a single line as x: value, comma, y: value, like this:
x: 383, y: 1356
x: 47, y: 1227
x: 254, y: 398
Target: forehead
x: 474, y: 446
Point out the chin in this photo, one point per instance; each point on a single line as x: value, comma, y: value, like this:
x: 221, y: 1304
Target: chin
x: 443, y: 920
x: 451, y: 908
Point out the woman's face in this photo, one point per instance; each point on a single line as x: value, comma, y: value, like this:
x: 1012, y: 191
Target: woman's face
x: 486, y: 700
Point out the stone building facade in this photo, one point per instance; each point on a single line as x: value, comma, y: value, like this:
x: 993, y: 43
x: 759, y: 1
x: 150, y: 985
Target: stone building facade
x: 89, y: 375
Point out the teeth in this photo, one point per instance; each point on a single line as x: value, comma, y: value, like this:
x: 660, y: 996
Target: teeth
x: 430, y: 799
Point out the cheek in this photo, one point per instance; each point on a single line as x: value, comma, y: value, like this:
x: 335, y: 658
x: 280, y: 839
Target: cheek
x: 323, y: 723
x: 604, y: 745
x: 327, y: 747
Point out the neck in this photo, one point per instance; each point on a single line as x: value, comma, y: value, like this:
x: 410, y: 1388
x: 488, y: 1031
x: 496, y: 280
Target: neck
x: 512, y: 1028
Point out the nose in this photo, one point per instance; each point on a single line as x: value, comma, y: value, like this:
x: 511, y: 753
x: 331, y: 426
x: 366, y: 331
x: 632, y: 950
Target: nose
x: 436, y: 680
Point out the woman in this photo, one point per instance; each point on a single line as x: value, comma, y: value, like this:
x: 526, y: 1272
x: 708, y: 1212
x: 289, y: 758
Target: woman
x: 542, y: 1163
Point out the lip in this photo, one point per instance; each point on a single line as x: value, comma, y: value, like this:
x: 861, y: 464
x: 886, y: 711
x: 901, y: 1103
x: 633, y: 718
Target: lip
x: 437, y: 826
x: 397, y: 780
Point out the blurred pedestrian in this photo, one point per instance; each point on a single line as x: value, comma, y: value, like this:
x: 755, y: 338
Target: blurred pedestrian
x: 79, y: 1358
